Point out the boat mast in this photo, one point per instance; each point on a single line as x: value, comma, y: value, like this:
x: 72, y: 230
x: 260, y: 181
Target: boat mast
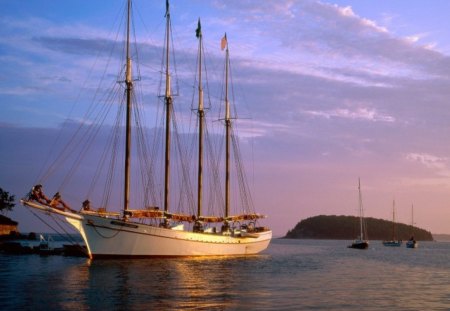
x: 393, y: 220
x: 227, y: 130
x: 360, y: 210
x: 201, y: 117
x: 168, y: 104
x: 129, y: 88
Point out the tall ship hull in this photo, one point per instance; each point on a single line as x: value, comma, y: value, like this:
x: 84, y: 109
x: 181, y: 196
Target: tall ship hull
x: 109, y: 237
x: 105, y: 237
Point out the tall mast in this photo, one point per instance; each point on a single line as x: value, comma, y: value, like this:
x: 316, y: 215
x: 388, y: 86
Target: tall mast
x: 201, y: 116
x: 129, y: 88
x: 360, y: 209
x: 168, y: 104
x: 227, y: 130
x: 393, y: 220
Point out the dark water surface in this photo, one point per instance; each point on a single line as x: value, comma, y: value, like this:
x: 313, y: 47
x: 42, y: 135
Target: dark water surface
x: 289, y: 275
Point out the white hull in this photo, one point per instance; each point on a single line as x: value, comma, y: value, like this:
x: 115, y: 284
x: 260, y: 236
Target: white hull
x: 107, y: 237
x: 111, y: 237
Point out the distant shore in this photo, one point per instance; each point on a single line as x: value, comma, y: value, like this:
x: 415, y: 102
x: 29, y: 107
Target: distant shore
x: 441, y: 237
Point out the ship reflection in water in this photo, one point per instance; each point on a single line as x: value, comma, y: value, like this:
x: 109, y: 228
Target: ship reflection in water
x: 289, y: 275
x: 176, y: 283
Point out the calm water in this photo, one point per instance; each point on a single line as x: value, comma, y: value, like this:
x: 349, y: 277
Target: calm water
x: 290, y: 275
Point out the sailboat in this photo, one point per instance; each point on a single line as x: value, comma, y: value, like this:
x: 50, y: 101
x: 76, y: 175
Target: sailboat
x: 412, y: 243
x: 395, y: 241
x: 151, y: 231
x: 361, y: 241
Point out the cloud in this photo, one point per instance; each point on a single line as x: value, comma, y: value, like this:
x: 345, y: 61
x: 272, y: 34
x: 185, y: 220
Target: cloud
x: 359, y: 114
x: 428, y: 160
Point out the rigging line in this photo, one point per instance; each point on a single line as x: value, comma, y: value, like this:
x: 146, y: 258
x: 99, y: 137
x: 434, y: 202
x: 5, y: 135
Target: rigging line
x: 70, y: 142
x: 206, y: 79
x: 243, y: 187
x: 174, y: 60
x: 148, y: 33
x: 138, y: 74
x: 110, y: 103
x: 103, y: 158
x: 111, y: 172
x: 45, y: 222
x: 140, y: 148
x: 187, y: 157
x: 70, y: 238
x: 184, y: 167
x: 51, y: 151
x: 143, y: 152
x: 180, y: 172
x: 157, y: 145
x: 236, y: 116
x: 85, y: 147
x: 215, y: 188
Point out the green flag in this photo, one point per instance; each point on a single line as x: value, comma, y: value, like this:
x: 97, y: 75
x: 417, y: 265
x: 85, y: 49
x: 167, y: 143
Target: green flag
x: 198, y: 31
x: 167, y: 8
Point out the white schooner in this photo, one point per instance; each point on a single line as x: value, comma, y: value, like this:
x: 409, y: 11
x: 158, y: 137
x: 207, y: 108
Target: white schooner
x: 121, y: 231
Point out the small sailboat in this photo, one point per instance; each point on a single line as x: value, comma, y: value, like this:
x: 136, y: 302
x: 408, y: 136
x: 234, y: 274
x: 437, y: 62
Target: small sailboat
x: 183, y: 228
x: 395, y: 242
x: 361, y: 242
x: 412, y: 243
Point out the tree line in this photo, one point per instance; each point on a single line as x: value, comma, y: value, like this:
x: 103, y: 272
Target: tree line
x: 347, y: 228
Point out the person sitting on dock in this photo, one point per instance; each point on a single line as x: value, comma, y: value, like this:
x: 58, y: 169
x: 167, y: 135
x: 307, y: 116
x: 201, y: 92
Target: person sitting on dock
x: 58, y: 203
x: 38, y: 195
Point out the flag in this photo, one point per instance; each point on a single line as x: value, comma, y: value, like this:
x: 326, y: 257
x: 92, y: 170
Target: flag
x: 198, y: 31
x: 223, y: 42
x: 167, y: 8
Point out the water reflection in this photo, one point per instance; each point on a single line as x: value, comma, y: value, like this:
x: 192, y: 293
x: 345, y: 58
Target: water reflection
x: 185, y: 283
x: 292, y: 275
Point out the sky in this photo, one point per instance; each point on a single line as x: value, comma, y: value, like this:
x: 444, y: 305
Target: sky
x: 329, y: 92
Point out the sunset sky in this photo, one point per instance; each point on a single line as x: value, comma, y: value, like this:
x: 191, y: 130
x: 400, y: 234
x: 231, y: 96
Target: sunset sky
x: 330, y: 91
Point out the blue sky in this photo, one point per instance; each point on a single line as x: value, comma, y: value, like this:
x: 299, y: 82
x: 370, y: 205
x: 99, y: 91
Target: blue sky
x: 335, y: 90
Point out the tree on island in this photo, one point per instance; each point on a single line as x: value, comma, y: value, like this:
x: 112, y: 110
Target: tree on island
x: 6, y: 201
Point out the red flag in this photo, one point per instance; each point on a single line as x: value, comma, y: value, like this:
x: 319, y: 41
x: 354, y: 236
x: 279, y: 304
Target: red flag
x: 223, y: 42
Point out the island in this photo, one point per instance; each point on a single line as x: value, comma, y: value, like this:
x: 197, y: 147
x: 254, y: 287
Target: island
x: 347, y: 227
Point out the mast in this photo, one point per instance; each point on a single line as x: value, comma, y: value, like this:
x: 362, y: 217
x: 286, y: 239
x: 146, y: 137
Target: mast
x: 227, y: 130
x: 201, y: 116
x: 360, y: 210
x: 129, y: 88
x: 168, y: 104
x: 393, y: 220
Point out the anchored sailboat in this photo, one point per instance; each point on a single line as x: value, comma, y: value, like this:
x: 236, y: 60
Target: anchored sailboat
x: 361, y: 241
x: 395, y: 241
x: 412, y: 243
x: 151, y: 231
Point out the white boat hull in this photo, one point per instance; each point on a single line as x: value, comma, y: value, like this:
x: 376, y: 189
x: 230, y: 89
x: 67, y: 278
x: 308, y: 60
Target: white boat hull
x: 107, y: 237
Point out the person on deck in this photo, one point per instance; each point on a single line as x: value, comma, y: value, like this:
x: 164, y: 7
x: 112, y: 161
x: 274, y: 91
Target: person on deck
x: 57, y: 202
x: 38, y: 195
x: 86, y: 205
